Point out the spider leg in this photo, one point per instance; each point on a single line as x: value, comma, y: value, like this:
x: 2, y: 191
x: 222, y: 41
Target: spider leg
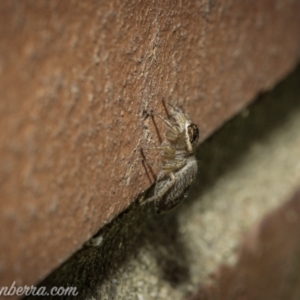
x: 173, y: 106
x: 170, y: 126
x: 162, y: 192
x: 145, y: 161
x: 176, y: 108
x: 161, y: 147
x: 174, y: 165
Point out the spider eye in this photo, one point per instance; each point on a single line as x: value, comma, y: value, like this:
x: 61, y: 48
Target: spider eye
x: 193, y: 133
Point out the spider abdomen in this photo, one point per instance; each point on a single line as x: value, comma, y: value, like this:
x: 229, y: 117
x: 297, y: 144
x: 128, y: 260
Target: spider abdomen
x: 184, y: 178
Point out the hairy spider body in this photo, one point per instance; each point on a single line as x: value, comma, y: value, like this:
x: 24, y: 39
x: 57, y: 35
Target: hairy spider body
x: 171, y: 189
x: 179, y: 165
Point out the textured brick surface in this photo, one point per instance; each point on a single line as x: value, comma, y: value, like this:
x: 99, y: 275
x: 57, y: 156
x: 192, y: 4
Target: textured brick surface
x: 268, y: 267
x: 75, y: 81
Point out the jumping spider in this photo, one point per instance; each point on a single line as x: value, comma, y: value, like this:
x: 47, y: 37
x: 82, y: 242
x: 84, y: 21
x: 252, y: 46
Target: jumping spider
x: 179, y: 165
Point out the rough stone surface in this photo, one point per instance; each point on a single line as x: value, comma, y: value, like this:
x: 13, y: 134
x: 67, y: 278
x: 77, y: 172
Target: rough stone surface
x: 76, y: 78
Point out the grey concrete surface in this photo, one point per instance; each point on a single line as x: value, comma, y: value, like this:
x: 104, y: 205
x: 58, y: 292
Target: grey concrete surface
x: 248, y: 168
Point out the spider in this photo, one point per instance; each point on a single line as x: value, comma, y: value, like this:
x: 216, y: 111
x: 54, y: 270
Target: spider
x: 179, y: 165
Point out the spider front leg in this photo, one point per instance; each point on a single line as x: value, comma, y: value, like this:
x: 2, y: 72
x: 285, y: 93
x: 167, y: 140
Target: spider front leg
x: 172, y: 133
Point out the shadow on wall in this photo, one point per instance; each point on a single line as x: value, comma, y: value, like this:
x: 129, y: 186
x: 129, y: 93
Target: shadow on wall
x: 140, y: 226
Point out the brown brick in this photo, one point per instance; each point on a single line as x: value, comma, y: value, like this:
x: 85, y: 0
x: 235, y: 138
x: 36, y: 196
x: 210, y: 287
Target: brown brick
x: 75, y: 79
